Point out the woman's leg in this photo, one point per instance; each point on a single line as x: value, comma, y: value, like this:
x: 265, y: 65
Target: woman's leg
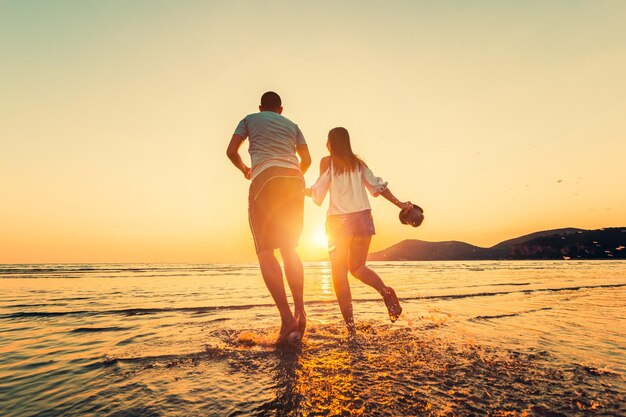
x: 358, y: 255
x: 359, y: 248
x: 339, y: 265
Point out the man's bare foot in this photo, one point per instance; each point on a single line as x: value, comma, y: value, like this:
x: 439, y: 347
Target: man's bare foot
x: 301, y: 320
x: 288, y: 333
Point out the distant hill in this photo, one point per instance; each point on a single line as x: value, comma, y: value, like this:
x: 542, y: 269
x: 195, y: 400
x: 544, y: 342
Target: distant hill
x: 569, y: 243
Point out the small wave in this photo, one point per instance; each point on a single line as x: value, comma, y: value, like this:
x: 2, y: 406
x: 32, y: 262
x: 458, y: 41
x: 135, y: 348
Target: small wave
x: 167, y: 360
x: 202, y: 310
x: 526, y: 291
x: 218, y: 320
x: 77, y: 270
x: 35, y: 305
x: 502, y: 284
x: 35, y: 365
x: 499, y: 316
x: 130, y: 311
x: 25, y: 314
x: 99, y: 329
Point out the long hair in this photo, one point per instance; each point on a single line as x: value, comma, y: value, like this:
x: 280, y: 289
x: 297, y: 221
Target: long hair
x: 341, y: 155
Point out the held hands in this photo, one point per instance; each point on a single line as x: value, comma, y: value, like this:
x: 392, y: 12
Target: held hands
x: 308, y: 192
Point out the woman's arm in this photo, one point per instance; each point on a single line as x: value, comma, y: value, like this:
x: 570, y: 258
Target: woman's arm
x: 389, y: 196
x: 377, y: 186
x: 319, y: 190
x: 324, y: 164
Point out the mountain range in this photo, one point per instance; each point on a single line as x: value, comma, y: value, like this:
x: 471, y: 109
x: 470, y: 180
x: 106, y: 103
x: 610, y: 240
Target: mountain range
x: 568, y: 243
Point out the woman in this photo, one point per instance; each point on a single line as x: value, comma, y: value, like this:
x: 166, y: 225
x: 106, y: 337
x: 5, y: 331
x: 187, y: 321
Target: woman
x: 349, y: 225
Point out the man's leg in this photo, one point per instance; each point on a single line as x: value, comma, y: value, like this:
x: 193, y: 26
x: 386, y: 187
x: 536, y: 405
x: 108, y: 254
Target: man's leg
x: 295, y: 277
x: 358, y: 255
x: 291, y: 219
x: 273, y: 277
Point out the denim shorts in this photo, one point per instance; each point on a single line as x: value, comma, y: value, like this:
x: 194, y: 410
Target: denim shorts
x: 360, y: 223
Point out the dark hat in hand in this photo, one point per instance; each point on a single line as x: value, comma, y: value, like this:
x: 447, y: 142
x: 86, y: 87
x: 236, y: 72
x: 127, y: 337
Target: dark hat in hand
x: 413, y: 216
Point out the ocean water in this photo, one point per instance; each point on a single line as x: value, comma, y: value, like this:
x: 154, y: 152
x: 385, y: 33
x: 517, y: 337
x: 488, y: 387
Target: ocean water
x: 476, y: 338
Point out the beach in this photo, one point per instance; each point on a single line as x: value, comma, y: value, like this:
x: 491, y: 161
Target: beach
x: 475, y: 338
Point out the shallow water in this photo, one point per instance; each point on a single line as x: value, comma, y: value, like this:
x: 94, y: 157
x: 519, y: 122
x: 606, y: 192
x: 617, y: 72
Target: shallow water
x: 498, y: 338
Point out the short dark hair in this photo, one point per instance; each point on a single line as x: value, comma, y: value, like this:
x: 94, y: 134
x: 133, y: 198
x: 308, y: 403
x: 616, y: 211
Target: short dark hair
x: 271, y: 101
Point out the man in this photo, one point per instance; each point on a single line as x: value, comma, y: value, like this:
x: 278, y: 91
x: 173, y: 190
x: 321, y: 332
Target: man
x: 276, y: 202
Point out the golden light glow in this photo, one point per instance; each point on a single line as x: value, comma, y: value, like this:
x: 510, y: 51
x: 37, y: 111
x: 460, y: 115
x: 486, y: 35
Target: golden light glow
x: 118, y: 154
x: 319, y: 238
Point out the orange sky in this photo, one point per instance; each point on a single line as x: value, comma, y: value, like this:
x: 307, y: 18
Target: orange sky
x: 498, y: 118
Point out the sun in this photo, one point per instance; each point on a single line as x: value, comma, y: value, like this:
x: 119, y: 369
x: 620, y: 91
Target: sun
x: 319, y: 237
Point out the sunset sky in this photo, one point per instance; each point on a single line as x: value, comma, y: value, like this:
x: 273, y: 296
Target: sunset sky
x: 499, y: 118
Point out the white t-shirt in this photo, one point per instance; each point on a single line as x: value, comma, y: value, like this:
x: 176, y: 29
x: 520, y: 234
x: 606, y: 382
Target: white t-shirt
x: 347, y: 190
x: 273, y: 140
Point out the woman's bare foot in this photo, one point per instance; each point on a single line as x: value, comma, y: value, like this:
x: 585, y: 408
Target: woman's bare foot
x: 392, y: 303
x: 351, y: 327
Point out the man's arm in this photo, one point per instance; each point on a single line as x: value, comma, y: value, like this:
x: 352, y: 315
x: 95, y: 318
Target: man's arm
x: 305, y: 157
x: 233, y: 154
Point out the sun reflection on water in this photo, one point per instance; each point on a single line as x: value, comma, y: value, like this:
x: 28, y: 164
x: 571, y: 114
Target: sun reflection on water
x: 327, y: 384
x: 326, y: 282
